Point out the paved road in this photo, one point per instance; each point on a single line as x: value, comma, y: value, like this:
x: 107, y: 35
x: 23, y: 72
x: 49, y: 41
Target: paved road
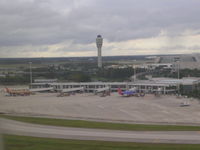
x: 26, y: 129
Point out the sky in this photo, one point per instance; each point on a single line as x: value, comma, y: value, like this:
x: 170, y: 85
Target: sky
x: 68, y: 28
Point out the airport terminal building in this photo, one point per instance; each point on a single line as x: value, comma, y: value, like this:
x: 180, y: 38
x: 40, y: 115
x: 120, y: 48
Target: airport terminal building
x: 167, y: 85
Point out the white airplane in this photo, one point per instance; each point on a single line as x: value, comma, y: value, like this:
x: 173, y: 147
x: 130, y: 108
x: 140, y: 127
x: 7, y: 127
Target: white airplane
x: 185, y: 103
x: 69, y: 91
x: 41, y: 89
x: 101, y: 89
x: 158, y: 92
x: 105, y: 91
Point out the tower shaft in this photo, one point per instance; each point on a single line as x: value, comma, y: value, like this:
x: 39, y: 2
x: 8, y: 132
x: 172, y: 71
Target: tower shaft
x: 99, y: 43
x: 99, y: 58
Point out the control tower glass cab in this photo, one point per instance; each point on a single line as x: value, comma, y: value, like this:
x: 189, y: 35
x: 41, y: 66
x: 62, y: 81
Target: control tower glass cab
x: 99, y: 43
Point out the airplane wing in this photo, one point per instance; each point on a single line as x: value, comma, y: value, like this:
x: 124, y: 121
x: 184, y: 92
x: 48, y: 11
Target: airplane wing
x: 41, y: 89
x: 101, y: 89
x: 72, y: 90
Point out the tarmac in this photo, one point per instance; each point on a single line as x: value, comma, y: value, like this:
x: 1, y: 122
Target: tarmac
x: 149, y: 109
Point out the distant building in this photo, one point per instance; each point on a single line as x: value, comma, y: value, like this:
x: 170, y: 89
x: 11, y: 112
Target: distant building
x: 189, y: 61
x: 164, y: 66
x: 2, y: 75
x: 142, y: 86
x: 45, y: 80
x: 99, y: 43
x: 188, y: 84
x: 167, y: 85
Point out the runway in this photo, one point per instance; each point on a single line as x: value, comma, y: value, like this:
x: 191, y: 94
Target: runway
x: 27, y: 129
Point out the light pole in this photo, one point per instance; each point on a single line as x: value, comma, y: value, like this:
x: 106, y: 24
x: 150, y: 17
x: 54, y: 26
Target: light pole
x: 178, y: 69
x: 31, y: 80
x: 177, y: 66
x: 178, y: 75
x: 134, y: 73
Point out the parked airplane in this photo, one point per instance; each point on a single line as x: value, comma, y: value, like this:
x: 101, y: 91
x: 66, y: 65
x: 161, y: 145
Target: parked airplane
x: 102, y: 91
x: 69, y: 91
x: 185, y: 103
x: 17, y: 92
x: 42, y: 89
x: 158, y: 92
x: 127, y: 93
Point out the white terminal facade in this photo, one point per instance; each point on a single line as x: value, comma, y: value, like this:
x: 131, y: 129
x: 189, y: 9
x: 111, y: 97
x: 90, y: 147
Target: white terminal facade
x: 167, y: 85
x: 99, y: 43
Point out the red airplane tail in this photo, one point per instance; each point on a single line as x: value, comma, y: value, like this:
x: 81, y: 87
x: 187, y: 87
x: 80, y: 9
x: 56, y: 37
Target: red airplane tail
x: 7, y: 90
x: 120, y: 91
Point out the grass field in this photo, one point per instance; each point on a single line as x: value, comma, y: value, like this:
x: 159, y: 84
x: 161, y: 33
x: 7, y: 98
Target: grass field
x: 32, y: 143
x: 101, y: 125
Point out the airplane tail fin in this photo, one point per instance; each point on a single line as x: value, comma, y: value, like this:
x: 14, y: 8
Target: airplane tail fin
x: 7, y: 90
x: 120, y: 91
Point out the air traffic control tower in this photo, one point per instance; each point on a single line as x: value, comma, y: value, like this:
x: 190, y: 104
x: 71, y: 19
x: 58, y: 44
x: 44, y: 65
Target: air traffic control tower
x: 99, y: 42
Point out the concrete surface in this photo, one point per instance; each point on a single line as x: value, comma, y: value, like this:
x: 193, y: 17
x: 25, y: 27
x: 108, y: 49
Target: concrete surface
x: 148, y: 109
x: 26, y: 129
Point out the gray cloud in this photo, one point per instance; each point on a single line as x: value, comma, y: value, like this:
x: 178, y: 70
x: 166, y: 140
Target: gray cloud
x: 47, y: 22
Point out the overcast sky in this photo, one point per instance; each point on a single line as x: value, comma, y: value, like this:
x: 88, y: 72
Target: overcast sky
x: 54, y: 28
